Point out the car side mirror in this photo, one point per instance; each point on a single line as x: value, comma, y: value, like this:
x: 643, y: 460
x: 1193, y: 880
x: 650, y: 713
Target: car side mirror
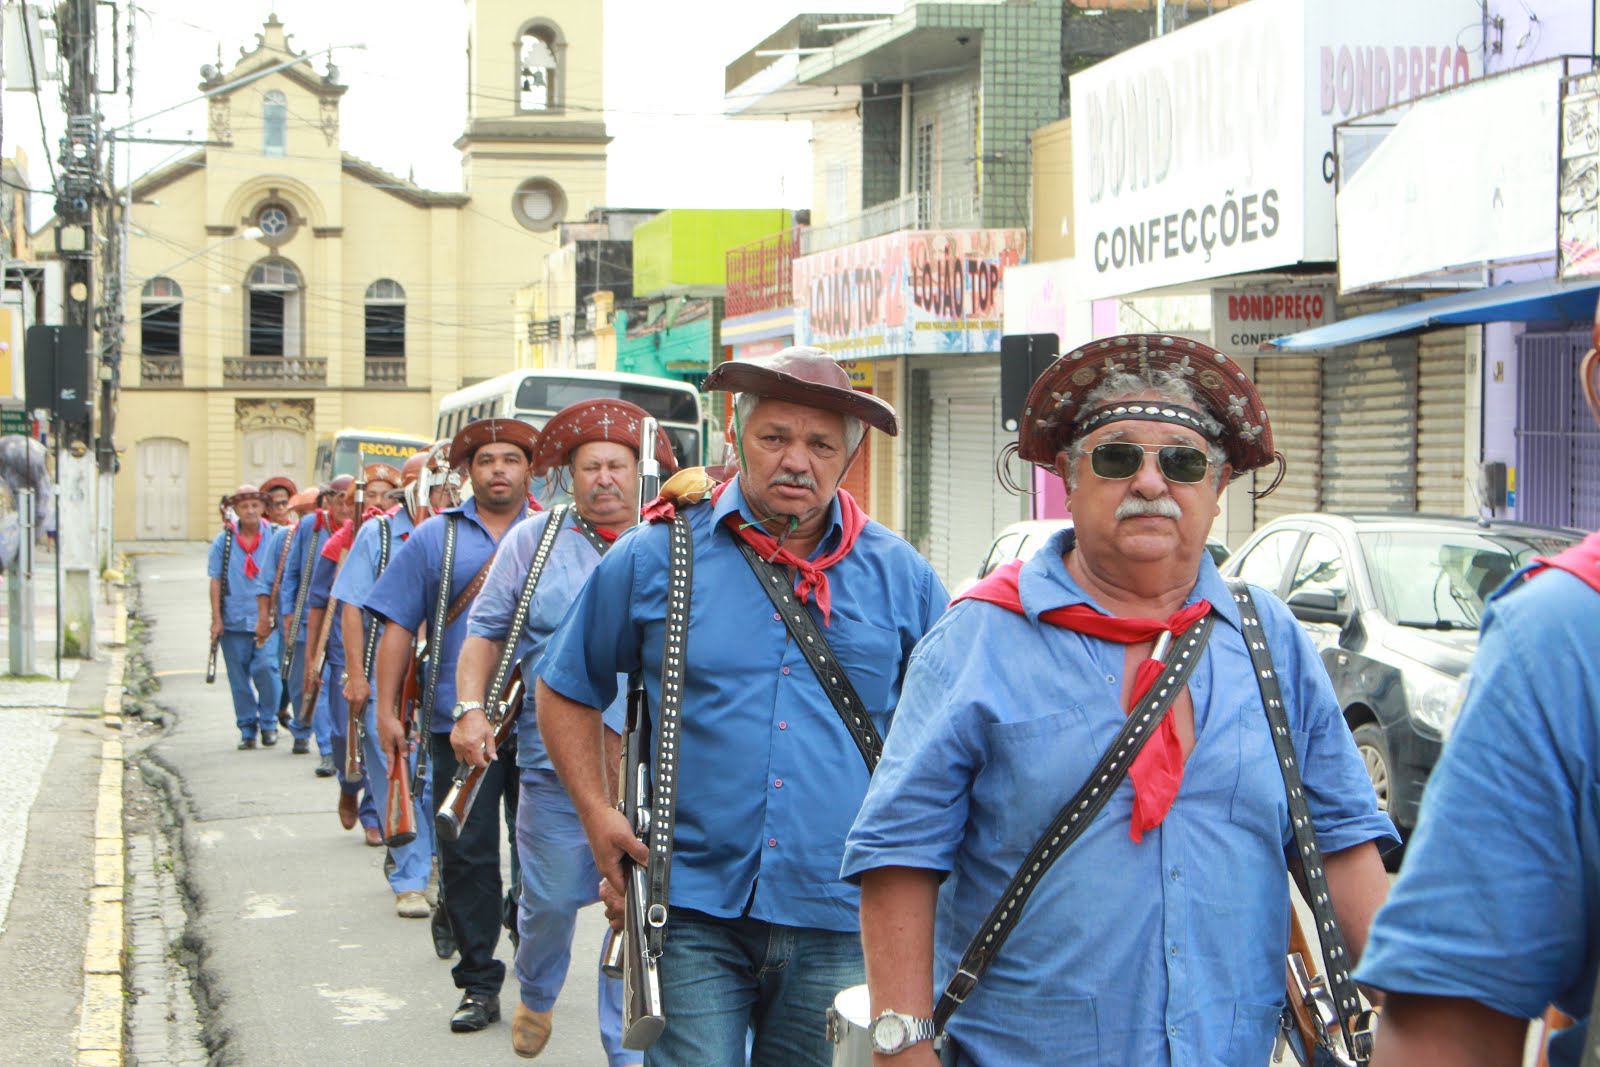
x: 1315, y: 605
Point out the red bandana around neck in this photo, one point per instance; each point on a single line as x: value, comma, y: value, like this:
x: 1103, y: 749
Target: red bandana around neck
x: 251, y: 568
x: 1582, y: 561
x: 606, y: 535
x: 1157, y: 771
x: 813, y: 572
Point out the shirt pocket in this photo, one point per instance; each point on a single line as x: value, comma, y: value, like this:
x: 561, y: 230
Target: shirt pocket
x: 871, y: 658
x: 1031, y: 768
x: 1260, y: 802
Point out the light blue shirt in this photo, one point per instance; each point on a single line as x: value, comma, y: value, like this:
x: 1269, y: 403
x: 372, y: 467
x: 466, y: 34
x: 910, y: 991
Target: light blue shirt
x: 289, y: 587
x: 360, y: 571
x: 572, y: 559
x: 769, y: 777
x: 1169, y: 951
x: 239, y: 608
x: 1499, y: 898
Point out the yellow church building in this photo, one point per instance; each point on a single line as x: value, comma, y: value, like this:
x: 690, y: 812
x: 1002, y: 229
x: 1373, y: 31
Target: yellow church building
x: 280, y: 289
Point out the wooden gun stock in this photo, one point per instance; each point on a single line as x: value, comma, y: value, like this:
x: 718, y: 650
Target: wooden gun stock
x: 400, y: 822
x: 1316, y: 1018
x: 457, y: 803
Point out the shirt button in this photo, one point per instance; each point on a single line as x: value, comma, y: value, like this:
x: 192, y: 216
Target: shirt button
x: 777, y: 783
x: 1111, y: 679
x: 786, y: 670
x: 1173, y: 1029
x: 1175, y: 874
x: 772, y: 842
x: 782, y: 725
x: 776, y: 617
x: 1172, y: 950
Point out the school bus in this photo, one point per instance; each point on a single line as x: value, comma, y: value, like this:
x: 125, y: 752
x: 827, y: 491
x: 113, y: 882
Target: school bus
x: 349, y: 450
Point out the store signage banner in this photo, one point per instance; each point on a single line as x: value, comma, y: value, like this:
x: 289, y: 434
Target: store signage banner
x: 1201, y: 153
x: 1242, y: 320
x: 1578, y: 202
x: 916, y: 291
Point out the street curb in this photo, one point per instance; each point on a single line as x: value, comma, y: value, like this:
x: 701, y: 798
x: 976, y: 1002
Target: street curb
x: 100, y: 1021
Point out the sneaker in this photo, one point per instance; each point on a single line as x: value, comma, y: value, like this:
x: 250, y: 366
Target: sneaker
x: 269, y: 739
x: 302, y: 745
x: 325, y: 768
x: 247, y: 743
x: 411, y: 904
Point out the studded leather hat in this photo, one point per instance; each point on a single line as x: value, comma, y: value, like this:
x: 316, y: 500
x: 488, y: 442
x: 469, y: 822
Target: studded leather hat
x: 243, y: 493
x: 801, y: 375
x: 474, y: 435
x: 278, y: 481
x: 381, y: 472
x: 1053, y: 415
x: 599, y: 419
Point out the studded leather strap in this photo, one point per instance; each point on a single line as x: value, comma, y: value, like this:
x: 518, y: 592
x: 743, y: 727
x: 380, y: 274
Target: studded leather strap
x: 369, y: 654
x: 1075, y: 816
x: 300, y: 594
x: 585, y: 527
x: 1335, y: 956
x: 494, y: 709
x: 436, y: 627
x: 814, y: 646
x: 664, y: 794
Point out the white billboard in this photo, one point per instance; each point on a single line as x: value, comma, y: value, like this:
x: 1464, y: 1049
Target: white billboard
x: 1201, y: 154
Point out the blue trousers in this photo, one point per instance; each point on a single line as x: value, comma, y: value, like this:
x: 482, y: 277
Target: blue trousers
x: 338, y: 717
x: 296, y: 684
x: 722, y: 979
x: 558, y: 878
x: 253, y: 679
x: 322, y: 721
x: 413, y: 862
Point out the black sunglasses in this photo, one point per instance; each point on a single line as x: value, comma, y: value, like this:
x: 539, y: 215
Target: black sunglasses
x: 1116, y: 460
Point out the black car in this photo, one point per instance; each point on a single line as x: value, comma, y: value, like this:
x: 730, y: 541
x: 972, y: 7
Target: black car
x: 1393, y: 602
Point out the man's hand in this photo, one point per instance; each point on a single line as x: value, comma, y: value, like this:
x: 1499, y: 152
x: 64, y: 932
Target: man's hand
x: 356, y: 690
x: 284, y: 626
x: 392, y: 735
x: 473, y: 739
x: 216, y: 628
x: 610, y: 838
x: 614, y: 903
x: 263, y: 628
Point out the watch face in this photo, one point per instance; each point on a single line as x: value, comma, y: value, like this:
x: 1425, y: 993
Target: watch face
x: 888, y: 1033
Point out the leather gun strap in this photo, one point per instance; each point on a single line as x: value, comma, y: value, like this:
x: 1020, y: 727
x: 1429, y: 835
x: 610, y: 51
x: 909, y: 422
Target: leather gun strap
x: 227, y: 554
x: 438, y: 623
x: 585, y: 527
x: 664, y: 797
x: 277, y: 577
x: 1075, y: 816
x: 369, y: 653
x: 493, y: 708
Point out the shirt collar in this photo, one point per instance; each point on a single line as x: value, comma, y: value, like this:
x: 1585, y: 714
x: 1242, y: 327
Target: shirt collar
x: 1045, y: 583
x: 733, y: 500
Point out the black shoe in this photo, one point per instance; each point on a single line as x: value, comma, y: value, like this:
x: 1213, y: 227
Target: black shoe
x: 269, y: 739
x: 302, y: 745
x: 476, y: 1011
x: 444, y: 938
x: 247, y: 743
x: 325, y: 768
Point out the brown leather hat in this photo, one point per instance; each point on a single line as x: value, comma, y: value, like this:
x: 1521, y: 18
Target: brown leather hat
x: 801, y: 375
x: 243, y: 493
x: 278, y: 481
x: 1051, y: 416
x: 381, y: 472
x: 599, y: 419
x: 305, y: 501
x: 474, y: 435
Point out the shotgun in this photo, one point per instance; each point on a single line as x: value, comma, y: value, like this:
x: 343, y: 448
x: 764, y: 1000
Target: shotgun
x: 401, y: 824
x: 457, y: 803
x: 211, y: 662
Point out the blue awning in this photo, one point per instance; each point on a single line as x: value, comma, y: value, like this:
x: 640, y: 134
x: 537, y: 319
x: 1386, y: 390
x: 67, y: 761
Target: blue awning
x: 1546, y: 300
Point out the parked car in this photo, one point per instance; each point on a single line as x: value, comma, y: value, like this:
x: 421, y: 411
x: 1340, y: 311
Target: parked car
x: 1021, y: 540
x: 1393, y: 602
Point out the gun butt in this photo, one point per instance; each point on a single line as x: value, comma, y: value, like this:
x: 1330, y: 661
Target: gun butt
x: 211, y: 663
x: 401, y: 823
x: 352, y: 752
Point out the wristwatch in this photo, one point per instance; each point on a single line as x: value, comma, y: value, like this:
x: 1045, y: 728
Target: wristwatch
x: 464, y: 706
x: 893, y: 1032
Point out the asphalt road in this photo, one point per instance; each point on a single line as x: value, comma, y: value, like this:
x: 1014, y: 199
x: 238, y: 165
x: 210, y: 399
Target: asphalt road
x: 302, y: 957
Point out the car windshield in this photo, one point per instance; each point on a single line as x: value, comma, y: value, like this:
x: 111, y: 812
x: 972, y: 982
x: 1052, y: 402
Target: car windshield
x: 1439, y: 580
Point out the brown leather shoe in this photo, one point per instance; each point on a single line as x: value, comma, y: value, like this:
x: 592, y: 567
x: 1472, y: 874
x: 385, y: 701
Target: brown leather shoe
x: 374, y: 836
x: 530, y: 1031
x: 349, y: 803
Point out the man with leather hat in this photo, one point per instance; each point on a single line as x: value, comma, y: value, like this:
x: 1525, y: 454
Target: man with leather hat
x: 337, y: 509
x: 375, y: 545
x: 592, y: 448
x: 278, y: 490
x: 1099, y: 704
x: 771, y: 759
x: 240, y: 568
x: 418, y: 589
x: 1496, y: 912
x: 304, y: 546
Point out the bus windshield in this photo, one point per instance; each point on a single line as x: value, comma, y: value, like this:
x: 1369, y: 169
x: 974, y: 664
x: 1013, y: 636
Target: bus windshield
x: 355, y: 448
x: 553, y: 394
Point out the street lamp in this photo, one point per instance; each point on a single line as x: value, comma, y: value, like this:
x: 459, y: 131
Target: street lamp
x: 249, y: 233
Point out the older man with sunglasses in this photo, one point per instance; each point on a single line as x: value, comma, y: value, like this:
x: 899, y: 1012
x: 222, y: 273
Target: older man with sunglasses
x: 1160, y: 936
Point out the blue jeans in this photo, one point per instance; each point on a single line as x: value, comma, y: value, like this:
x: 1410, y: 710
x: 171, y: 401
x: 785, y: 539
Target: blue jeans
x: 253, y: 679
x: 413, y: 862
x: 322, y: 720
x: 723, y: 977
x: 558, y: 878
x: 296, y: 684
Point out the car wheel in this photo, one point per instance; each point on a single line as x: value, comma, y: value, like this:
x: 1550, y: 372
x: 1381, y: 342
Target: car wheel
x: 1375, y: 757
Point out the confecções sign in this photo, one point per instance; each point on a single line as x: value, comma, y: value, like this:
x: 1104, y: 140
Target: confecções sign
x: 1251, y: 217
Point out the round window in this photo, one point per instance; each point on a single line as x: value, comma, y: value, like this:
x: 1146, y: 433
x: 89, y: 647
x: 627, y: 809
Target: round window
x: 539, y: 204
x: 273, y: 220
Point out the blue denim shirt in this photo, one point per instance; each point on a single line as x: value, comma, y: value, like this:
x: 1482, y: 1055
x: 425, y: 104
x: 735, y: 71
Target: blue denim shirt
x: 289, y: 588
x: 360, y: 570
x: 322, y: 576
x: 406, y: 592
x: 572, y: 559
x: 1499, y: 898
x: 769, y: 777
x: 239, y: 608
x: 1168, y: 951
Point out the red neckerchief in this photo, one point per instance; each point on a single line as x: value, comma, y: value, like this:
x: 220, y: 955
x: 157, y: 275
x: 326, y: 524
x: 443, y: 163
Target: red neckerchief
x: 605, y: 535
x: 1582, y: 561
x: 251, y: 567
x: 339, y: 541
x: 813, y: 572
x: 1157, y: 771
x: 533, y: 503
x: 321, y: 523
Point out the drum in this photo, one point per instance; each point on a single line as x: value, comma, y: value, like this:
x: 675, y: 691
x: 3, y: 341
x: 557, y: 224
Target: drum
x: 847, y: 1028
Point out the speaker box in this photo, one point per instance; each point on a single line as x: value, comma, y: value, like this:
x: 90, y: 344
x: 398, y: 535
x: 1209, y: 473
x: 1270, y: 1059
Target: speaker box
x: 56, y: 371
x: 1023, y: 357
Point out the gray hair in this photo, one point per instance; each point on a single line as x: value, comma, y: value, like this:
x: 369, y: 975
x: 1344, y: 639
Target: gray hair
x: 1169, y: 386
x: 744, y: 406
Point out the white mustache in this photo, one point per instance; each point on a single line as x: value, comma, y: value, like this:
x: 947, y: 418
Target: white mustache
x: 1136, y: 507
x: 800, y: 481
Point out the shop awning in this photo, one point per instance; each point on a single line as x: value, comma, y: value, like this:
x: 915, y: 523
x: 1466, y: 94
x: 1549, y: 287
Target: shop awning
x: 1546, y: 300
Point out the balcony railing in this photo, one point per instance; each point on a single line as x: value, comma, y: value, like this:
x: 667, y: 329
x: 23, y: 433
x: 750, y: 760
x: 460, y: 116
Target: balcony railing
x: 898, y: 214
x: 160, y: 370
x: 274, y: 370
x: 760, y: 273
x: 386, y: 370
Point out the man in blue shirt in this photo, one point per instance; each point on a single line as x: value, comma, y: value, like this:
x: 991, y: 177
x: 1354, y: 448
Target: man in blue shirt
x: 495, y: 453
x: 1159, y: 937
x: 410, y: 864
x: 592, y: 448
x: 1497, y: 910
x: 762, y: 932
x: 305, y: 546
x: 241, y: 622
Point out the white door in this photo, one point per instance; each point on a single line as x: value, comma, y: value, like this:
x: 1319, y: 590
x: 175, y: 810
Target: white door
x: 271, y: 452
x: 161, y: 504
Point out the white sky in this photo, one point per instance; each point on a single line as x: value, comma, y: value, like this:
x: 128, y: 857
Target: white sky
x: 406, y: 105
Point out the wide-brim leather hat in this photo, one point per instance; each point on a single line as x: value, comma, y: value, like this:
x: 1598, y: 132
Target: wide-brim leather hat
x: 807, y: 376
x: 589, y: 421
x: 1053, y: 412
x: 381, y: 472
x: 279, y: 481
x: 305, y: 501
x: 243, y: 493
x: 474, y: 435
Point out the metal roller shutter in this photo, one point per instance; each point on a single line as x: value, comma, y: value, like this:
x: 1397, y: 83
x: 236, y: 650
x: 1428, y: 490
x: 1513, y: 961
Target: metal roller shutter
x: 1291, y: 391
x: 1558, y: 447
x: 1369, y: 431
x: 1441, y: 422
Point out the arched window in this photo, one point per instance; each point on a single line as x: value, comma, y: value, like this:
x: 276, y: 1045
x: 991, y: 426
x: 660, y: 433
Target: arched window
x: 275, y: 309
x: 160, y: 318
x: 539, y: 53
x: 386, y: 318
x: 274, y: 123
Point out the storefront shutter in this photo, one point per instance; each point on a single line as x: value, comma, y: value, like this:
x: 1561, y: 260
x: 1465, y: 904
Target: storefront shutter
x: 1291, y: 391
x: 1558, y: 445
x: 1441, y: 422
x: 1369, y: 403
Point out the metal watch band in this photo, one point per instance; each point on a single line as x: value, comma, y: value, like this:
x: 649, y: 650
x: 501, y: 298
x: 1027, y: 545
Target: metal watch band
x: 1075, y: 816
x: 674, y: 646
x: 916, y: 1030
x: 519, y: 617
x: 1335, y: 955
x: 814, y: 646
